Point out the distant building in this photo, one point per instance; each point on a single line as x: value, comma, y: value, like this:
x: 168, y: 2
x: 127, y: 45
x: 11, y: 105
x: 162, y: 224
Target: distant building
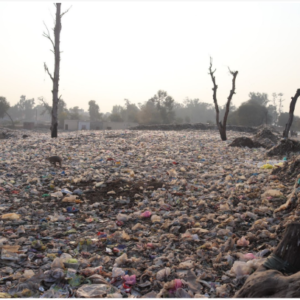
x: 76, y: 125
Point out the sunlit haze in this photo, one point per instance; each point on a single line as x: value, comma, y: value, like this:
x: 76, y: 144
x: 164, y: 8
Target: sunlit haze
x: 115, y: 50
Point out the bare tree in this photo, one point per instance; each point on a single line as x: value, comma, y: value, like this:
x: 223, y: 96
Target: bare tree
x: 291, y: 114
x: 55, y: 77
x: 222, y: 125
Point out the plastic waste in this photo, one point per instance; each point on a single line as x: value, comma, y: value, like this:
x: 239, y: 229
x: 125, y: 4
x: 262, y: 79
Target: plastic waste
x: 11, y: 216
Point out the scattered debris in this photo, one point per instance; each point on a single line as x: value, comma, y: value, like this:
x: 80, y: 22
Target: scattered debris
x: 138, y: 213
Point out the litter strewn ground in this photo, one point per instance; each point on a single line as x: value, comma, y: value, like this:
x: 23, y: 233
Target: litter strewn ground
x: 136, y: 214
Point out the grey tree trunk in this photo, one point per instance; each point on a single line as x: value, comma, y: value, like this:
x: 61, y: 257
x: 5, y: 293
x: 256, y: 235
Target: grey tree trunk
x: 222, y: 126
x: 55, y: 99
x: 55, y: 77
x: 291, y: 114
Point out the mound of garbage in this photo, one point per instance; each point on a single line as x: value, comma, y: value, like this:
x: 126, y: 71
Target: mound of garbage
x: 266, y: 138
x: 285, y: 147
x: 245, y: 142
x: 289, y: 170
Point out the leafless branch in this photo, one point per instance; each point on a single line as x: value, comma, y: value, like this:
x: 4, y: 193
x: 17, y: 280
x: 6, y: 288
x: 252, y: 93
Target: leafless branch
x: 47, y: 35
x: 47, y: 70
x: 222, y: 125
x: 232, y: 92
x: 47, y: 107
x: 65, y: 11
x: 231, y: 72
x: 211, y: 72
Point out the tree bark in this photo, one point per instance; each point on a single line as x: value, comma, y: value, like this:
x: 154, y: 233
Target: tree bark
x: 13, y: 124
x: 222, y: 126
x: 286, y: 255
x: 55, y: 77
x: 57, y: 29
x: 291, y: 114
x: 268, y: 280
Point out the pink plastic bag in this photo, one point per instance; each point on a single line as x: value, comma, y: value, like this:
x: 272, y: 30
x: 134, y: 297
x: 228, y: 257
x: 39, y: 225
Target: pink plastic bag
x: 249, y: 256
x: 177, y: 284
x: 131, y: 280
x: 146, y: 214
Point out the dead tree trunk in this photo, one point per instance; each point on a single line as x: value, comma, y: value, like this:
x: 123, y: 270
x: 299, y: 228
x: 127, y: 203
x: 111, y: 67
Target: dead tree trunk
x: 291, y: 114
x: 286, y: 255
x: 222, y: 125
x: 55, y: 77
x: 267, y: 281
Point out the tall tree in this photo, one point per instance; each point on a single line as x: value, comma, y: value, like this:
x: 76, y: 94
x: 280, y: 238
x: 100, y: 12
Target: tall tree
x: 94, y: 111
x: 74, y: 113
x: 4, y: 107
x: 251, y: 113
x: 165, y: 106
x: 222, y: 125
x: 26, y: 107
x: 291, y: 114
x: 55, y: 77
x: 260, y: 98
x: 131, y: 111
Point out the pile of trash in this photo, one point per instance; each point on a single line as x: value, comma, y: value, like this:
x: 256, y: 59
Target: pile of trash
x: 285, y: 147
x: 135, y: 214
x: 289, y: 170
x: 266, y: 138
x: 245, y: 142
x: 6, y: 134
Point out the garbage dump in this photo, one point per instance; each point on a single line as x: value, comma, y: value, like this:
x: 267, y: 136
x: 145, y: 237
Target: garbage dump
x: 136, y: 214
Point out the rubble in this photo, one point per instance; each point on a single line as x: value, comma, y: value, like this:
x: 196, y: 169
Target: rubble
x: 137, y: 214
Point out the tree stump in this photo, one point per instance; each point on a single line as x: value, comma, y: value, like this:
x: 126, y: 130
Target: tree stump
x: 286, y: 256
x: 285, y: 259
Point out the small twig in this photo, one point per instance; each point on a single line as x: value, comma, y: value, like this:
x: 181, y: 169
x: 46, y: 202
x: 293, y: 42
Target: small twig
x: 65, y: 11
x: 47, y: 70
x: 47, y: 35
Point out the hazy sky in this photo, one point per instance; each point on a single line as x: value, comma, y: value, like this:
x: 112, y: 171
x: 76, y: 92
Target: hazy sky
x: 131, y: 49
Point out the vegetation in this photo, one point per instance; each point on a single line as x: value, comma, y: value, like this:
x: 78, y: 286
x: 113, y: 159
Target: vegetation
x: 4, y: 106
x: 160, y: 109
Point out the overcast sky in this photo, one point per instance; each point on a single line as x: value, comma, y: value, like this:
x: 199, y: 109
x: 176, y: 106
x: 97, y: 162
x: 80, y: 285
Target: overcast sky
x: 131, y: 49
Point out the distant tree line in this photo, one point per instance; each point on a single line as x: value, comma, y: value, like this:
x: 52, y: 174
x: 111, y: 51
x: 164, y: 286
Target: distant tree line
x: 159, y: 109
